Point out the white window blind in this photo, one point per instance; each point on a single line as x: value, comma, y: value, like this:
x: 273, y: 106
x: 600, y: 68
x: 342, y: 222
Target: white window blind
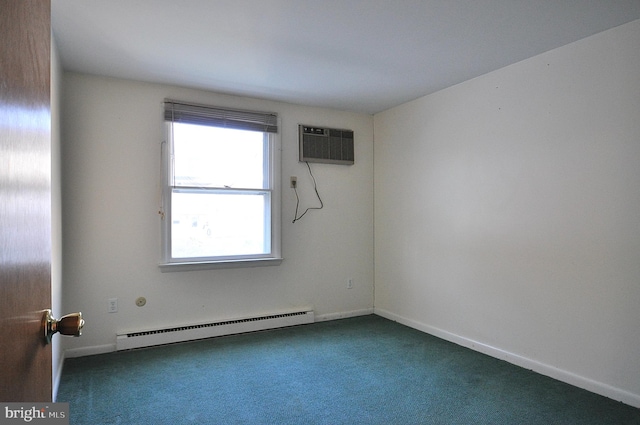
x: 220, y: 117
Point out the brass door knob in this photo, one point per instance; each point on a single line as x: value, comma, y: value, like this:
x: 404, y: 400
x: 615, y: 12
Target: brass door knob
x: 69, y: 324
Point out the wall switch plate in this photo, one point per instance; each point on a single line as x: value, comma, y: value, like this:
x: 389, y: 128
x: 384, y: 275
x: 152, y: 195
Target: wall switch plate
x: 112, y: 305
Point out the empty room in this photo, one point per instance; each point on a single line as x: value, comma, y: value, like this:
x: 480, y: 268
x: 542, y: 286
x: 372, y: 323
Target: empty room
x: 449, y: 227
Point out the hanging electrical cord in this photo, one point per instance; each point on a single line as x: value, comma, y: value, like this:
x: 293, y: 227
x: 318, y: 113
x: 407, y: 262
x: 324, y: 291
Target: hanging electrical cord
x: 315, y: 187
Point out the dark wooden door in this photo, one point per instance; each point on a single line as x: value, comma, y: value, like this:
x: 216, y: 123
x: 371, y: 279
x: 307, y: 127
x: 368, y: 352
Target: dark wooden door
x: 25, y: 199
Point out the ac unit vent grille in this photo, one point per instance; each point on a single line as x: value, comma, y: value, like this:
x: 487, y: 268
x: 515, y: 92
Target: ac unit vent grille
x: 326, y: 145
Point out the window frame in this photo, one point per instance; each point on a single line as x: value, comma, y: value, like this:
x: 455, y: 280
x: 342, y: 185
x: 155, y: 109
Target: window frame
x: 272, y: 159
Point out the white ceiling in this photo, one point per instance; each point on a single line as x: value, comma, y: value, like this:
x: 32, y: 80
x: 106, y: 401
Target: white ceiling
x: 358, y: 55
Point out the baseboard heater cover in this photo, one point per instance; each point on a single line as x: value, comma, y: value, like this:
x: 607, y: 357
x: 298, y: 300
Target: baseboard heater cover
x: 184, y: 333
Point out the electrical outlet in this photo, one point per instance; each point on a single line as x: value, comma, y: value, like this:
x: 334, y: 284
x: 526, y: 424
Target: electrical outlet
x: 294, y: 181
x: 350, y: 283
x: 112, y: 305
x: 141, y: 301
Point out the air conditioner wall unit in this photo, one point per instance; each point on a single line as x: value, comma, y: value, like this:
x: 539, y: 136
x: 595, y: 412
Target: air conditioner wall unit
x: 326, y: 145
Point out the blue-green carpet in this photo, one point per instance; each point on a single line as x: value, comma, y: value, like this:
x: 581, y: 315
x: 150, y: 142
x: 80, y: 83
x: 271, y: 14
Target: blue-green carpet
x: 363, y: 370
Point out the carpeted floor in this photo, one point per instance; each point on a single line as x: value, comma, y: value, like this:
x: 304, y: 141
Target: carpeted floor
x: 364, y: 370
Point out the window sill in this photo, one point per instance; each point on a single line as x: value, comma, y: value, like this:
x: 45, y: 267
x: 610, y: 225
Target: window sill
x: 211, y: 265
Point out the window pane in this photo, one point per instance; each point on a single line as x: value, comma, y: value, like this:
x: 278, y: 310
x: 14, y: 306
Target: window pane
x: 206, y: 224
x: 218, y: 157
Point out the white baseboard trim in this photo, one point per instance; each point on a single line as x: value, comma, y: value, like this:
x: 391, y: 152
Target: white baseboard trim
x: 343, y: 315
x: 108, y: 348
x: 89, y: 351
x: 524, y: 362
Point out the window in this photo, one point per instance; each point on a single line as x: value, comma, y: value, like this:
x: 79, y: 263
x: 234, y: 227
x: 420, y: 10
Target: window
x: 220, y: 197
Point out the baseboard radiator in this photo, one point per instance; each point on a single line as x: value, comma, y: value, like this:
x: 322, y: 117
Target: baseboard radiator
x: 148, y: 338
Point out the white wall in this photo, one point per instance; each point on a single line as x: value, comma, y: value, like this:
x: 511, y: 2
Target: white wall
x: 56, y: 213
x: 507, y: 213
x: 112, y: 131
